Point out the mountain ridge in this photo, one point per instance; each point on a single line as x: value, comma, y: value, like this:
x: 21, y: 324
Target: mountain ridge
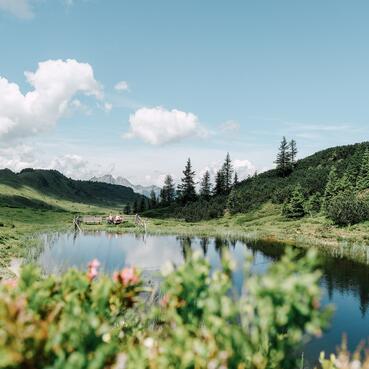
x: 121, y: 181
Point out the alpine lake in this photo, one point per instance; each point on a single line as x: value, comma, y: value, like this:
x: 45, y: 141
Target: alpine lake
x: 345, y: 284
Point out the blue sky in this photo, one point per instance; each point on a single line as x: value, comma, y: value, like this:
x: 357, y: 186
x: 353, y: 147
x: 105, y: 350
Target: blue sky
x: 204, y: 77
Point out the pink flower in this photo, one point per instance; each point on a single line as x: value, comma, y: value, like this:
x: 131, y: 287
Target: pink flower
x: 127, y: 276
x: 93, y: 269
x: 94, y: 264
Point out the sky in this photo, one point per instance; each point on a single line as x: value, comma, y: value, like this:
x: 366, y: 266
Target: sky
x: 134, y: 88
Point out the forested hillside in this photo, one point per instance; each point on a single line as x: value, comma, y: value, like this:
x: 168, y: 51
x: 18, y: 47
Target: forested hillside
x: 311, y: 173
x: 333, y: 182
x: 33, y: 188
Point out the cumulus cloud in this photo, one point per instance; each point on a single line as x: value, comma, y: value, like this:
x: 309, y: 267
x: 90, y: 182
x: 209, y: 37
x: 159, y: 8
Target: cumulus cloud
x: 24, y: 156
x: 54, y: 84
x: 19, y: 8
x: 121, y: 86
x: 158, y: 126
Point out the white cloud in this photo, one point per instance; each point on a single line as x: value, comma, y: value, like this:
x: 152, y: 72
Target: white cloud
x: 19, y: 8
x: 121, y: 86
x: 158, y: 126
x: 54, y: 83
x: 72, y: 166
x: 230, y: 126
x: 23, y: 156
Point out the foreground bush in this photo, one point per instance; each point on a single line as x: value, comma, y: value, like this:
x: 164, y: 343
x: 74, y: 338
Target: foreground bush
x: 80, y: 321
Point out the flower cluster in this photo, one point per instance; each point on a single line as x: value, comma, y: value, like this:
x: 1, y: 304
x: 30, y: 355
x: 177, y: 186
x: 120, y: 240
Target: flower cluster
x: 128, y: 276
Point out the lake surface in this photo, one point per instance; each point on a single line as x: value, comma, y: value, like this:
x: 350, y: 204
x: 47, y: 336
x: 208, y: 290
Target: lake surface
x: 345, y: 283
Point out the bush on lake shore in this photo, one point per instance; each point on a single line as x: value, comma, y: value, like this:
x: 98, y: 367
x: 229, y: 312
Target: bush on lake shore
x: 80, y: 321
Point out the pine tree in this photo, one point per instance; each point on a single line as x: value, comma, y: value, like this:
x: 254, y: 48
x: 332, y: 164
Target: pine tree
x: 363, y: 178
x: 205, y: 186
x: 219, y: 187
x: 135, y: 207
x: 235, y: 180
x: 186, y: 189
x: 167, y: 193
x: 142, y: 205
x: 293, y: 152
x: 233, y: 201
x: 344, y: 185
x: 227, y: 173
x: 153, y: 199
x: 330, y: 188
x: 294, y: 208
x: 127, y: 209
x: 283, y: 160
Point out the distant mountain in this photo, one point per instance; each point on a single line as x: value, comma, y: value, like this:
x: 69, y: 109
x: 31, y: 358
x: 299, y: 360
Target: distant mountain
x: 143, y: 190
x: 54, y: 185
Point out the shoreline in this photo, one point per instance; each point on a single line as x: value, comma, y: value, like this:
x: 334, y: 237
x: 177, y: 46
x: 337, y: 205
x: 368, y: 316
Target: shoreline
x: 264, y: 226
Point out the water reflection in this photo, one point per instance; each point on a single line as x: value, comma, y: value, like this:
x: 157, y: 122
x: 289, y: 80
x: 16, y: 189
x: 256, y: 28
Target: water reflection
x: 344, y: 283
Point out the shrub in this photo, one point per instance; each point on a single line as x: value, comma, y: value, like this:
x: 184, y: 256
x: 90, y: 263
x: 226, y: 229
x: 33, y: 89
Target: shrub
x: 77, y: 321
x: 202, y: 210
x: 346, y: 209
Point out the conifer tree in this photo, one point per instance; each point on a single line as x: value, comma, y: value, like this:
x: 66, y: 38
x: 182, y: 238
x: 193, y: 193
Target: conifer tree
x: 233, y: 201
x: 283, y: 160
x: 219, y: 187
x: 227, y: 173
x: 344, y: 185
x: 167, y: 193
x: 205, y: 186
x: 153, y: 199
x: 186, y: 189
x: 135, y: 207
x: 142, y: 205
x: 293, y: 152
x: 294, y: 208
x: 235, y: 180
x: 363, y: 178
x: 330, y: 188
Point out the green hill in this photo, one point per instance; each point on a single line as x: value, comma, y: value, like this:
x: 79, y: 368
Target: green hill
x: 311, y: 173
x: 49, y: 189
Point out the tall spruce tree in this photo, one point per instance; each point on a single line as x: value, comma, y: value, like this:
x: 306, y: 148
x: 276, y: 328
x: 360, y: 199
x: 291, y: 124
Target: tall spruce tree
x: 227, y: 173
x: 167, y: 193
x: 187, y: 190
x: 363, y: 178
x: 219, y: 187
x: 293, y: 152
x: 205, y: 186
x: 283, y: 160
x: 235, y: 180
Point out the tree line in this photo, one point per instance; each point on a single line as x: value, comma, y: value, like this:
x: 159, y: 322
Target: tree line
x: 185, y: 193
